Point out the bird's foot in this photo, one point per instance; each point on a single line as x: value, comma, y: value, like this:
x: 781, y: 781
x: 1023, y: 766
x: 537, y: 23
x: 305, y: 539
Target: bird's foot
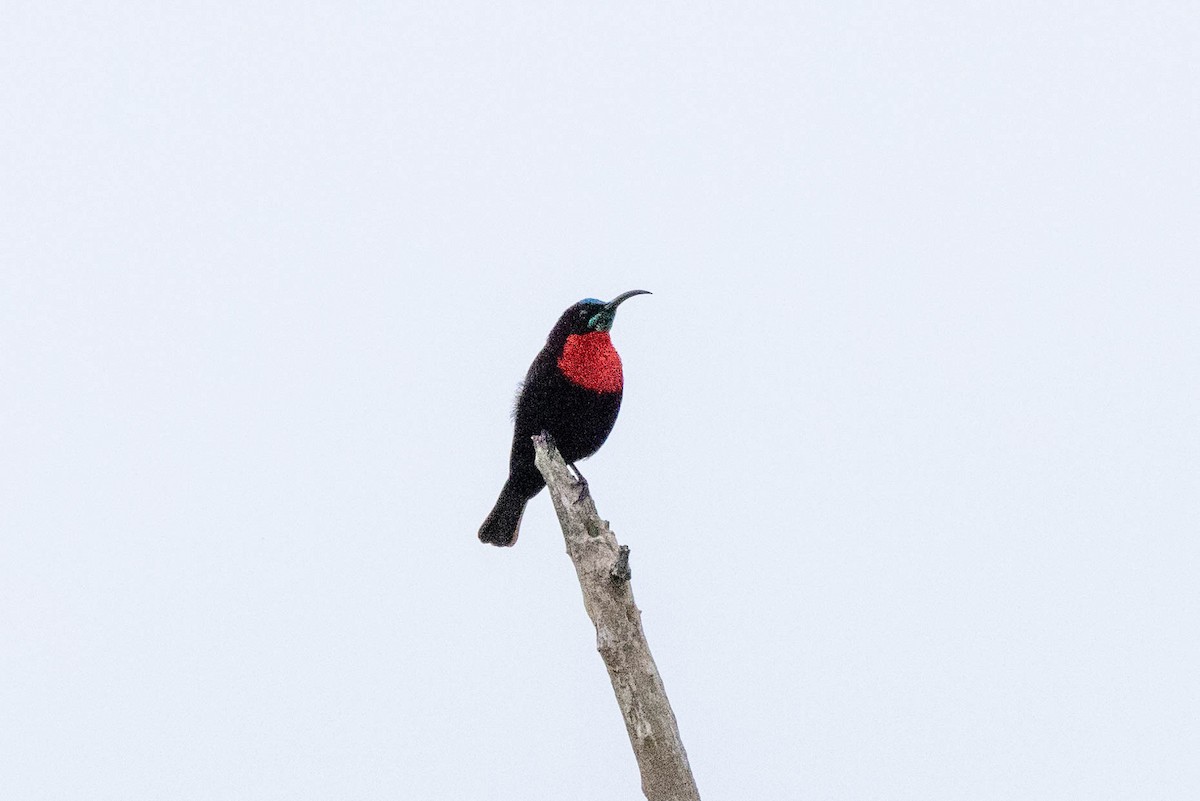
x: 584, y: 492
x: 620, y: 570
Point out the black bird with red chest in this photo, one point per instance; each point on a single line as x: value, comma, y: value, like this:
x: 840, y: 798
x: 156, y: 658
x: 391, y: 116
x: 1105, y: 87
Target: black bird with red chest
x: 573, y: 391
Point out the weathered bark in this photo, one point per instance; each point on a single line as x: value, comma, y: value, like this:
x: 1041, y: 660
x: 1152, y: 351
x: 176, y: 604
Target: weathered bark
x: 603, y: 569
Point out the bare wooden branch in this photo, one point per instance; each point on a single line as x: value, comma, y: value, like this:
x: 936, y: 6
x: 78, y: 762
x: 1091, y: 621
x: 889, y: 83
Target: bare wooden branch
x: 603, y: 570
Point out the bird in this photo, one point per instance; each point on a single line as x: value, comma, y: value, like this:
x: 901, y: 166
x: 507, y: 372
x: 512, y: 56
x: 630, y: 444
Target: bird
x: 573, y: 392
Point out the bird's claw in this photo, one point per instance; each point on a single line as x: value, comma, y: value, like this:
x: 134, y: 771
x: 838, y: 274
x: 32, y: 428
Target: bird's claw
x: 620, y: 570
x: 584, y: 492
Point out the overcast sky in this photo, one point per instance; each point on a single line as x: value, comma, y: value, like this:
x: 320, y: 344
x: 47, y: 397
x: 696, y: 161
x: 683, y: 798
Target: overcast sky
x: 909, y: 457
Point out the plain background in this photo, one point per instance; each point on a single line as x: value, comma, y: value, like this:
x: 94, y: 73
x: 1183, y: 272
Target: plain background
x: 908, y: 458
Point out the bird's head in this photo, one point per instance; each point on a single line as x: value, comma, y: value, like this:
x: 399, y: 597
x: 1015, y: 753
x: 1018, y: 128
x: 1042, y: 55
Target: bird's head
x: 591, y: 315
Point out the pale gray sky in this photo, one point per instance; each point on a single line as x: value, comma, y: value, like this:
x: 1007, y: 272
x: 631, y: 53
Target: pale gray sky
x: 909, y: 453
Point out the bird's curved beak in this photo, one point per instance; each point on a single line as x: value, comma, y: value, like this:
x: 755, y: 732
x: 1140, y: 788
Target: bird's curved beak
x: 603, y: 319
x: 612, y: 305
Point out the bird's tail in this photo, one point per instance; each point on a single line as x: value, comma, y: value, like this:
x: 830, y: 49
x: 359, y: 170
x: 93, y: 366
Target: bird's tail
x: 503, y: 524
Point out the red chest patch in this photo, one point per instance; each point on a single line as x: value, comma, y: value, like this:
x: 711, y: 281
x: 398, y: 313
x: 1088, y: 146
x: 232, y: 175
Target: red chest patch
x: 591, y: 361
